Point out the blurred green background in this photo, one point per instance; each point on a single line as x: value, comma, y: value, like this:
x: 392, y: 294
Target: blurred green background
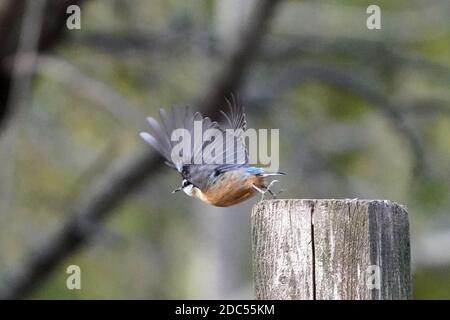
x: 362, y: 114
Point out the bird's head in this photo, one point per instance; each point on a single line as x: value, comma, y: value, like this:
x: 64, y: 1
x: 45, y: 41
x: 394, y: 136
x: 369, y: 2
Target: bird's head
x: 186, y: 186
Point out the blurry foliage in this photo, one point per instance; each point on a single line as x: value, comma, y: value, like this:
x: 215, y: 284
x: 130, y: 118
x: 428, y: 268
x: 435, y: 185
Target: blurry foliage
x: 431, y: 283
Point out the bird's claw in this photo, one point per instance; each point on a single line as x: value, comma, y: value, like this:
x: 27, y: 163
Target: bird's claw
x: 267, y: 189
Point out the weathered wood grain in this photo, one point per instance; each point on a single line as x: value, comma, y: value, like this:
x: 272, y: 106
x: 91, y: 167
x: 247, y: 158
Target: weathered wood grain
x: 331, y: 249
x: 282, y: 252
x: 390, y: 249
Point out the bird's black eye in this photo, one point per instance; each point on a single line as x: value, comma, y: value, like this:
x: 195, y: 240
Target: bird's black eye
x: 185, y: 183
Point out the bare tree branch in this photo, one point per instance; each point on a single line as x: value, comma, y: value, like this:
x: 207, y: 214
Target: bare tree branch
x: 51, y: 33
x: 105, y: 96
x: 363, y: 87
x: 366, y: 52
x: 19, y: 81
x: 281, y: 50
x: 19, y: 98
x: 103, y: 197
x: 426, y: 107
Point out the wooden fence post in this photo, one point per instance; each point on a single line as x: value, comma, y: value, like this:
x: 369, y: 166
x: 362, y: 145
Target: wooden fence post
x: 331, y: 249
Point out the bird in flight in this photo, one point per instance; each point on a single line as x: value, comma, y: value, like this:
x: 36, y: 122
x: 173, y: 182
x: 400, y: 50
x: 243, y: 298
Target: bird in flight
x: 215, y: 170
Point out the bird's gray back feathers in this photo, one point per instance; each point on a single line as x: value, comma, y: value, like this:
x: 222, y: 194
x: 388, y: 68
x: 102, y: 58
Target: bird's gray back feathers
x: 204, y: 156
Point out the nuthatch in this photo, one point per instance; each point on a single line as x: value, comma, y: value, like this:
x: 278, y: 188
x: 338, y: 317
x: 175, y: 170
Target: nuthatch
x: 221, y: 178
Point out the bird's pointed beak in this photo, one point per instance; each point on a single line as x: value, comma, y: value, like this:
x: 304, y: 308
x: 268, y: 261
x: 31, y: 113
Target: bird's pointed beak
x: 177, y: 189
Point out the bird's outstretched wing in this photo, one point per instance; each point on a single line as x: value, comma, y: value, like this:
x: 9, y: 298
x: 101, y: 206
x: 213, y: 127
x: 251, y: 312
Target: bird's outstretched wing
x: 161, y: 134
x: 235, y: 120
x: 208, y: 149
x: 236, y: 116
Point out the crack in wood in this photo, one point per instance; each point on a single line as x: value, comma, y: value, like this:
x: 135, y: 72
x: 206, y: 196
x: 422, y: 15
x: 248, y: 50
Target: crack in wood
x: 323, y: 249
x: 313, y: 253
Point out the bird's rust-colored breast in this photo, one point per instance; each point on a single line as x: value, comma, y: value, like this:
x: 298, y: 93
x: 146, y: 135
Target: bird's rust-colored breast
x: 231, y: 188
